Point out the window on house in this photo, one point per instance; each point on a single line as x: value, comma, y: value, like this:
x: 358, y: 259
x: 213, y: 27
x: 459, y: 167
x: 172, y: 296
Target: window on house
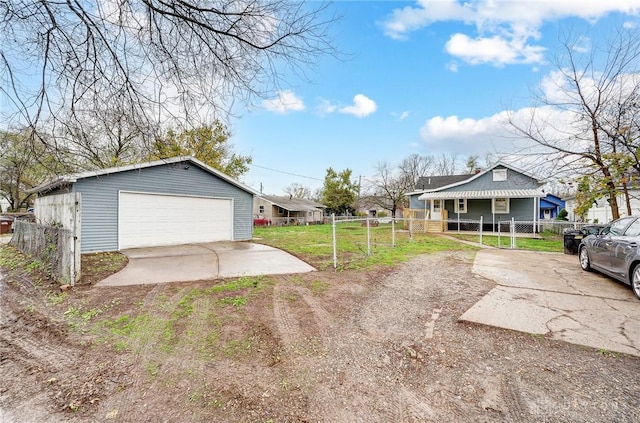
x: 500, y: 205
x: 309, y: 213
x: 461, y: 205
x: 499, y: 175
x: 281, y: 211
x: 261, y: 209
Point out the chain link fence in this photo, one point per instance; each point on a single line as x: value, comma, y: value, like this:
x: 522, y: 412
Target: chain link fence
x: 354, y: 239
x: 51, y: 246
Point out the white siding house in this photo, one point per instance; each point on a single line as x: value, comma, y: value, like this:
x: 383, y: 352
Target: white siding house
x: 601, y: 211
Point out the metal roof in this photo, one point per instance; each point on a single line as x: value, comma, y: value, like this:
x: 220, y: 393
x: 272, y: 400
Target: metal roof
x: 496, y: 193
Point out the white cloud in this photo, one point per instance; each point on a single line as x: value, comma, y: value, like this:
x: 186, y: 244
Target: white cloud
x: 496, y: 50
x: 326, y: 107
x: 362, y: 106
x: 505, y: 28
x: 404, y: 115
x: 286, y: 101
x: 493, y: 134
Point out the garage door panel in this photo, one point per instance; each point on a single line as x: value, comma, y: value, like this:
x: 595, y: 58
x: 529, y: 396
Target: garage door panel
x: 152, y: 219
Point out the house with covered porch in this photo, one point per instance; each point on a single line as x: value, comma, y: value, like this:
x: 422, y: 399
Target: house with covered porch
x: 497, y: 194
x: 287, y: 210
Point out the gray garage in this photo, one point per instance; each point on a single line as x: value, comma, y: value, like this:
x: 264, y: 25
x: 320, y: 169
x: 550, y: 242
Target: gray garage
x: 166, y: 202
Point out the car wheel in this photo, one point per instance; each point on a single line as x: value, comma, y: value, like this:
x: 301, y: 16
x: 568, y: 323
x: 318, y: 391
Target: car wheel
x: 635, y: 281
x: 584, y: 259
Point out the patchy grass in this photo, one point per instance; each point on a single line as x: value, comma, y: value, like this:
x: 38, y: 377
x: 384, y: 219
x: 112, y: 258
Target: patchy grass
x: 357, y: 248
x: 550, y: 243
x: 191, y: 319
x: 97, y: 266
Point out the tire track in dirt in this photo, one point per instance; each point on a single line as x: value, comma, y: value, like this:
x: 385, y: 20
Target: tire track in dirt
x: 144, y: 350
x: 27, y: 352
x: 411, y: 407
x: 516, y: 406
x: 324, y: 320
x: 287, y: 324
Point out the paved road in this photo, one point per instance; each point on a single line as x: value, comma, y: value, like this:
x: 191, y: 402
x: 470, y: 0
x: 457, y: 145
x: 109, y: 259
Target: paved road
x: 549, y: 294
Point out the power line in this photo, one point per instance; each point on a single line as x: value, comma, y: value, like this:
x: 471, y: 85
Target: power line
x: 287, y: 173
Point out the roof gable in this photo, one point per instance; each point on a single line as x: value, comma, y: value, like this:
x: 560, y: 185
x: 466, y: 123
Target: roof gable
x: 484, y: 175
x: 517, y: 184
x: 74, y: 177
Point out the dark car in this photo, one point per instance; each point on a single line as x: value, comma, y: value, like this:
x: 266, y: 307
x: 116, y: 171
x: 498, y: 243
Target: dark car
x: 614, y: 251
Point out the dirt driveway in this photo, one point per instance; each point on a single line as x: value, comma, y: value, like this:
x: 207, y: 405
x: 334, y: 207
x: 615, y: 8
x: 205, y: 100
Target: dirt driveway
x: 315, y: 347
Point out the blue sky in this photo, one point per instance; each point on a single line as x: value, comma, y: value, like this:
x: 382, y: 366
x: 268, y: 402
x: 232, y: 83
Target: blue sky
x: 427, y: 77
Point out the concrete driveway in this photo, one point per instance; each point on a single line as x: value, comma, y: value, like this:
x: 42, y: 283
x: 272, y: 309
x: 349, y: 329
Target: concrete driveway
x: 549, y: 294
x: 203, y: 261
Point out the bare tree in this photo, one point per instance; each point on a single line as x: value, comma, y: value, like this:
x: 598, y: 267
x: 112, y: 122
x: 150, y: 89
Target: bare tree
x: 20, y: 166
x: 413, y: 167
x: 296, y: 190
x: 587, y: 122
x: 102, y: 138
x: 446, y: 164
x: 155, y: 59
x: 389, y: 187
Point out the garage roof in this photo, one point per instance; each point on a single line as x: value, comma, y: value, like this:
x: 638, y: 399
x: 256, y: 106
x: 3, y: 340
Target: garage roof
x: 71, y: 178
x: 498, y: 193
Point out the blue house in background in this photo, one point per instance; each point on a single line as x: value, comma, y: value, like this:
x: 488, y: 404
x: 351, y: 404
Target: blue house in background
x: 550, y: 206
x: 495, y: 195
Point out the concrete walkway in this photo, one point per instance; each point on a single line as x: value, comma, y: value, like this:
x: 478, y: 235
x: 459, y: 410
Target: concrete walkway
x: 549, y: 294
x: 203, y: 261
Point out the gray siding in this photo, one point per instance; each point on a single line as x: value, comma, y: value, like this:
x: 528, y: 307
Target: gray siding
x: 100, y: 199
x: 515, y: 180
x: 519, y: 209
x: 414, y: 203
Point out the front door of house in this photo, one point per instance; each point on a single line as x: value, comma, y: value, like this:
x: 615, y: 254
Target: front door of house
x: 436, y: 209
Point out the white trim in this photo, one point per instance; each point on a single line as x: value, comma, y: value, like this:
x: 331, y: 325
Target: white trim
x: 150, y: 230
x: 493, y: 205
x: 456, y: 205
x: 495, y: 193
x: 173, y: 160
x: 499, y: 175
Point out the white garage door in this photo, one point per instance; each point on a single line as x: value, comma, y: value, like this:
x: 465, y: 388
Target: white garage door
x: 146, y: 220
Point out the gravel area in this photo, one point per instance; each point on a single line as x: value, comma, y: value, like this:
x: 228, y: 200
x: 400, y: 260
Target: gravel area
x: 383, y: 346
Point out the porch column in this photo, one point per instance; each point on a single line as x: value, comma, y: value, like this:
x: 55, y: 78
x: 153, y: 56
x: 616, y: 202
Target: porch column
x: 535, y: 203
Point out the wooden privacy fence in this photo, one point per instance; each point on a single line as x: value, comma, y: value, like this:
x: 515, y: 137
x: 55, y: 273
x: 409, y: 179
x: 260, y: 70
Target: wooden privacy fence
x: 52, y: 246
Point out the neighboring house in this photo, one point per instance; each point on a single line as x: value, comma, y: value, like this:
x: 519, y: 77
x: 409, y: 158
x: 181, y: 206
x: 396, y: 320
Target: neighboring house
x: 371, y: 206
x: 601, y: 211
x: 166, y: 202
x: 550, y: 206
x: 497, y: 194
x: 288, y: 210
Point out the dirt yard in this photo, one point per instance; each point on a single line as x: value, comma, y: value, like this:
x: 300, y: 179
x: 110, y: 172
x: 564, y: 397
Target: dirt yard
x: 325, y: 346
